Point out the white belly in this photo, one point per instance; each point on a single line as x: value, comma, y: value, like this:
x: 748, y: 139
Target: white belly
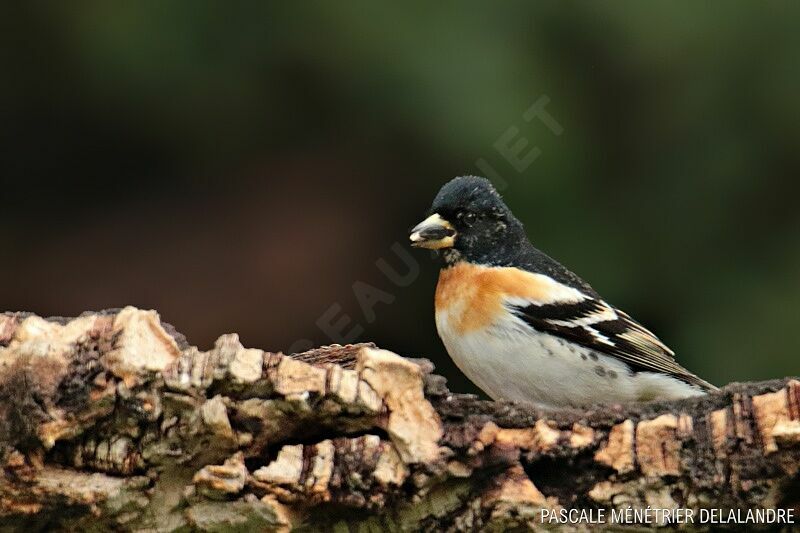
x: 509, y: 361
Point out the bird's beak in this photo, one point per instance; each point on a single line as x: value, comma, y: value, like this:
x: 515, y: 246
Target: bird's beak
x: 434, y: 233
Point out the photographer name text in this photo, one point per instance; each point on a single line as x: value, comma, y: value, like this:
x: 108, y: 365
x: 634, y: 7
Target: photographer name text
x: 657, y: 516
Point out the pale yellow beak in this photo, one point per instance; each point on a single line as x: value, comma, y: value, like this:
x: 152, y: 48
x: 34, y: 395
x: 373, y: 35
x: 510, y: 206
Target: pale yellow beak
x: 433, y: 233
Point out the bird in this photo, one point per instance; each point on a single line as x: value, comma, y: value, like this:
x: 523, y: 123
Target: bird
x: 523, y: 327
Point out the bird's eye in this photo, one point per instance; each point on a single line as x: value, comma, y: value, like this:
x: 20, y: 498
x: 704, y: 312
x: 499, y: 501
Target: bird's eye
x: 469, y: 218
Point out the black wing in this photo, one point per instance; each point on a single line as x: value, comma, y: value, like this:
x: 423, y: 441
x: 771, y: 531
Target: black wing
x: 595, y: 324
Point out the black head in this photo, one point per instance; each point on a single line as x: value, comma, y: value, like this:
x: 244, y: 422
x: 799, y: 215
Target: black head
x: 469, y: 220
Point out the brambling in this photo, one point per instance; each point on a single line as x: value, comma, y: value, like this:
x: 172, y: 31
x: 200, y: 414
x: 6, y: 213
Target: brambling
x: 523, y: 327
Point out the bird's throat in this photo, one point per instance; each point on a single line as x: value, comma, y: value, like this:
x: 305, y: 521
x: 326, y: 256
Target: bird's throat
x: 451, y: 256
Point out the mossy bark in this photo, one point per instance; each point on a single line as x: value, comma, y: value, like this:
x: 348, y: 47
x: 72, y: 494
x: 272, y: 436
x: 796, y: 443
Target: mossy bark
x: 112, y: 421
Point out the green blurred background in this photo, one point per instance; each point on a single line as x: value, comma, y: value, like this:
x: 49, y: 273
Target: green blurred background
x: 240, y: 166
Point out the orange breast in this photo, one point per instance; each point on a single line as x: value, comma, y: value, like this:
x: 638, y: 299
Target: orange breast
x: 472, y: 296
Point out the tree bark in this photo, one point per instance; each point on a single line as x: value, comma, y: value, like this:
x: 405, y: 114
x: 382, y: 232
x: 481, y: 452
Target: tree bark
x: 112, y: 421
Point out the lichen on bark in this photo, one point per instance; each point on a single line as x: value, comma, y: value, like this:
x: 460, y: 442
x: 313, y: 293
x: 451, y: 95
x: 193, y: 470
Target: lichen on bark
x: 112, y: 421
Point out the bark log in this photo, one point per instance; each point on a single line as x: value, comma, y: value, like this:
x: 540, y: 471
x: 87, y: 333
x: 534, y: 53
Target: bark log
x: 112, y: 421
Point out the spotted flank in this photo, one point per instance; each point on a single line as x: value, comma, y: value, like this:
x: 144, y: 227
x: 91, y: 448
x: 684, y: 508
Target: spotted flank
x: 597, y: 325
